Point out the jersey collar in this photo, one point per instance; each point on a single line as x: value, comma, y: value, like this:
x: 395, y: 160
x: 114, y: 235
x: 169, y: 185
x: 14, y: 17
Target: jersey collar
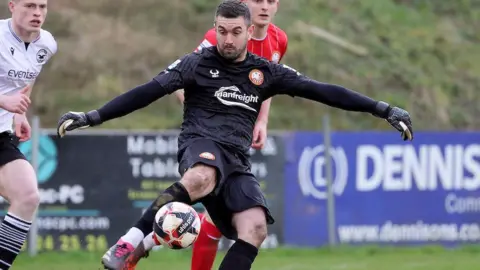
x: 16, y: 36
x: 266, y: 35
x: 229, y: 63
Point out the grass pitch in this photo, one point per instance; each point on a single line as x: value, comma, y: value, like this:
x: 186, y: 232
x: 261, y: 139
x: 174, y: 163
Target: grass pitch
x: 344, y: 258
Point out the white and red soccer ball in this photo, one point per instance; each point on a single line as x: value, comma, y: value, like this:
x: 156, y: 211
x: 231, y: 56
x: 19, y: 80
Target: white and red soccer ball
x: 176, y: 225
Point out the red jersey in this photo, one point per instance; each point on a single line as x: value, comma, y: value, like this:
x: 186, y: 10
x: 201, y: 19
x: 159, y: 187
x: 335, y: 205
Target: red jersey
x: 273, y: 47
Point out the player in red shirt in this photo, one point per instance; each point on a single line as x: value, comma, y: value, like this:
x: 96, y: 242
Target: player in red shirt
x: 270, y: 42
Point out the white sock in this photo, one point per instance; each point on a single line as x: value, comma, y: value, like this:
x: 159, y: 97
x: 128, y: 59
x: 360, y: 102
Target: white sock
x: 148, y: 242
x: 134, y: 236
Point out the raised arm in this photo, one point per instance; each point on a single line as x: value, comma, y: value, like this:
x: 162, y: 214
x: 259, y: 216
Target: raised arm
x: 290, y: 82
x: 168, y: 81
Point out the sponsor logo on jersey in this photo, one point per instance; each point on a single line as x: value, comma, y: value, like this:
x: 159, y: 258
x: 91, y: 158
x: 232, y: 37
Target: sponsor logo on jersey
x: 21, y: 75
x: 232, y: 96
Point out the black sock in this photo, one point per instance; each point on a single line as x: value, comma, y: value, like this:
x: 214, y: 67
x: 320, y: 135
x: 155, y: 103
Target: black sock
x: 13, y: 233
x: 239, y: 257
x: 174, y: 193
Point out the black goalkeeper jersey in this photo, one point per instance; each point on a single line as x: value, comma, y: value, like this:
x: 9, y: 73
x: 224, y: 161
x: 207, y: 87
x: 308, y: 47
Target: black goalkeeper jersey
x: 223, y: 99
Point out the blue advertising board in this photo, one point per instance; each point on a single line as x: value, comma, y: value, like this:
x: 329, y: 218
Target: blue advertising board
x: 387, y: 191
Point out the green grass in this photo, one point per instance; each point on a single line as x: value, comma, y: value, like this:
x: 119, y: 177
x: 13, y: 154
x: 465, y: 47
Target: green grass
x: 364, y: 258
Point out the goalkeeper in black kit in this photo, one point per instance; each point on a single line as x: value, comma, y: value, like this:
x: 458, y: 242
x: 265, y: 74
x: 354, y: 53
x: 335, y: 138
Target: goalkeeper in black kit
x: 224, y: 88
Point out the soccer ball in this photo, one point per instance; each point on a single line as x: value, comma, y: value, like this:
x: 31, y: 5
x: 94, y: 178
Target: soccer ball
x: 176, y: 226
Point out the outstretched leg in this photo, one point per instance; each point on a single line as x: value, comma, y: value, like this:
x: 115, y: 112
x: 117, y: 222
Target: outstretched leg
x: 195, y: 184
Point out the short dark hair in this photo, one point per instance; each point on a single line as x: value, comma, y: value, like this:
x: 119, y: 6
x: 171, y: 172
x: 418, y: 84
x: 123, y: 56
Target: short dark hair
x: 232, y: 9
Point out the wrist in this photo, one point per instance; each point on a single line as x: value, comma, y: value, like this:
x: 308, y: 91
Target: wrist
x: 261, y: 122
x: 382, y: 109
x: 93, y: 118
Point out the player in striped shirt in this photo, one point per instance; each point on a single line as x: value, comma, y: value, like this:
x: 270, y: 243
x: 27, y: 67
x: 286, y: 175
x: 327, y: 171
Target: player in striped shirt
x: 24, y: 49
x: 268, y: 41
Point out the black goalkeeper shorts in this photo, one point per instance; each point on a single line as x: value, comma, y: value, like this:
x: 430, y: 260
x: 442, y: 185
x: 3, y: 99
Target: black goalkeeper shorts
x: 237, y: 188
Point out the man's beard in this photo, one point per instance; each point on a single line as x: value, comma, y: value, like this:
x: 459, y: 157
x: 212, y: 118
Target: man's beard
x: 232, y: 54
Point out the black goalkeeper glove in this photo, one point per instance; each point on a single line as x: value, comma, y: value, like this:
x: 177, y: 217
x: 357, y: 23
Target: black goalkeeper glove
x: 77, y: 120
x: 397, y: 117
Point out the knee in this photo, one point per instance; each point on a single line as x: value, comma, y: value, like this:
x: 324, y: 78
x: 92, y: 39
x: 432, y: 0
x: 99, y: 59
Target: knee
x: 28, y: 200
x: 19, y: 185
x: 251, y: 226
x: 258, y: 232
x: 199, y: 178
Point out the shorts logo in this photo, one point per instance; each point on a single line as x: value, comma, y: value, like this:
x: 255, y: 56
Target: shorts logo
x: 275, y: 57
x: 256, y: 77
x: 207, y: 155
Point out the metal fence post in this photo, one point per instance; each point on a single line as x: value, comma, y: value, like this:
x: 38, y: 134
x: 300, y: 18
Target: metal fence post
x: 33, y: 233
x: 329, y: 176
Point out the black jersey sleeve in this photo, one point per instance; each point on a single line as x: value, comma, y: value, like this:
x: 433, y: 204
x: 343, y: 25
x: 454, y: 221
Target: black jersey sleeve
x: 179, y: 74
x: 174, y: 77
x: 288, y: 81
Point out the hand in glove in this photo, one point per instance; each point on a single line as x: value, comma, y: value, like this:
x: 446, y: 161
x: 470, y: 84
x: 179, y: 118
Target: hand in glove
x: 397, y: 117
x: 77, y: 120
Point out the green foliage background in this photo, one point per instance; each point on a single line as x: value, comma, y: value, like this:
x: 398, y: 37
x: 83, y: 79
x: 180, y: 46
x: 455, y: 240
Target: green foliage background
x: 423, y: 55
